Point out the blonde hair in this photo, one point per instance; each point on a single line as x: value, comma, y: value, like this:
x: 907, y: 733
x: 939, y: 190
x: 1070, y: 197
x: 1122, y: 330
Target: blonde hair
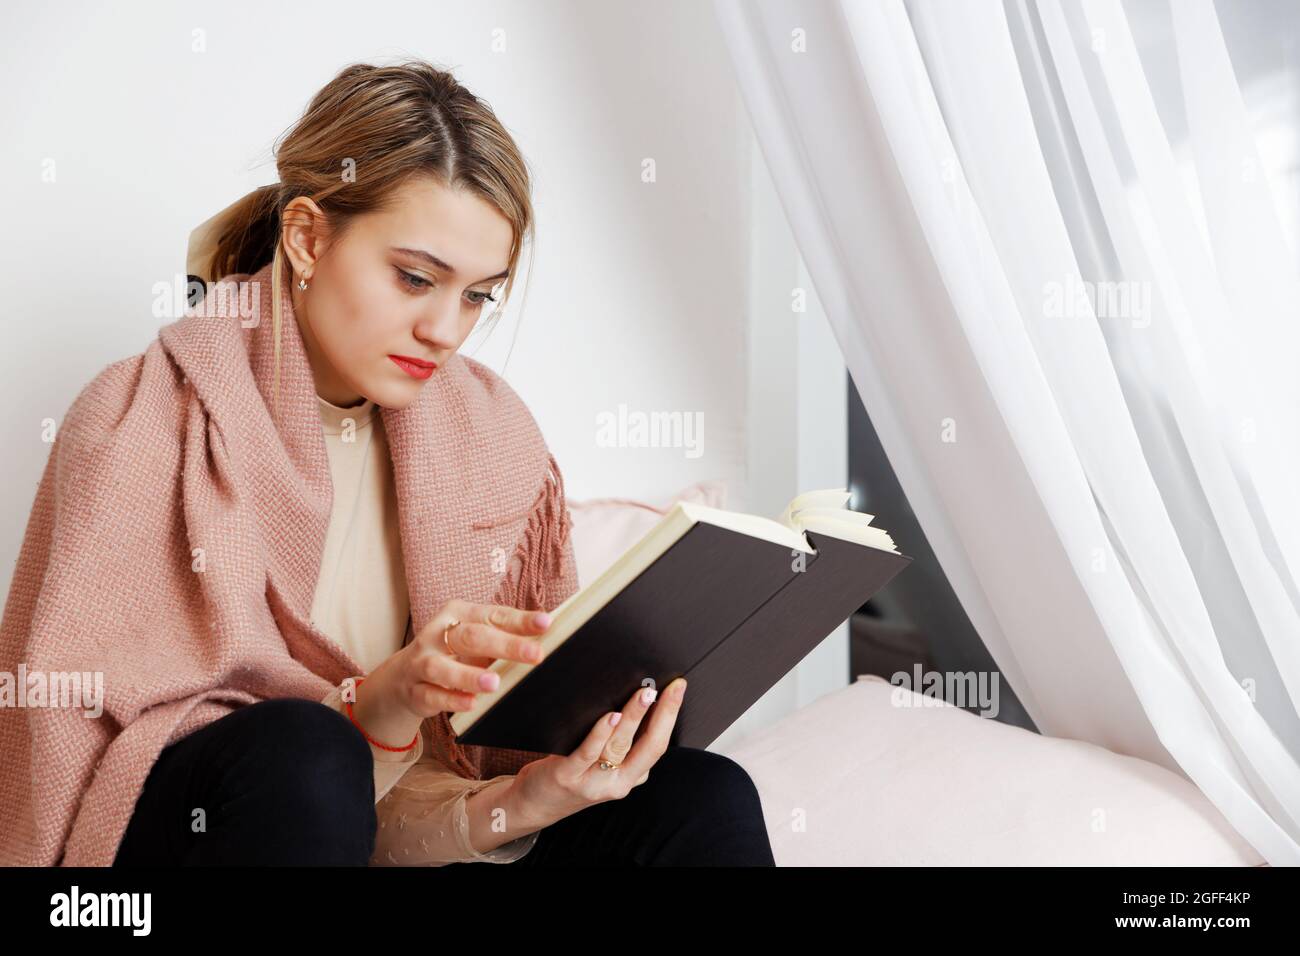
x: 383, y: 125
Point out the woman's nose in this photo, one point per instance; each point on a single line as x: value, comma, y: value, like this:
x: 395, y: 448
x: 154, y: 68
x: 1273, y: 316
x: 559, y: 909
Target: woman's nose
x: 440, y: 325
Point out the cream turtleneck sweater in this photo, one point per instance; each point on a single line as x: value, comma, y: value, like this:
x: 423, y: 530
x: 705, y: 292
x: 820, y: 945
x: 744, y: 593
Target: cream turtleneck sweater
x: 361, y: 598
x: 361, y: 602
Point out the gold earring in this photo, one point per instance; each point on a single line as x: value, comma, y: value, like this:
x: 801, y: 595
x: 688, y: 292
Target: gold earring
x: 302, y: 283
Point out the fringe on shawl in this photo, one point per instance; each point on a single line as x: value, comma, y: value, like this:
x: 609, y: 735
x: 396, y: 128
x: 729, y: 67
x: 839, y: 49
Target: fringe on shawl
x: 541, y: 553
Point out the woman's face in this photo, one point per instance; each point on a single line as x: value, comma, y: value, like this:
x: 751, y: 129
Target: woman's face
x: 409, y: 282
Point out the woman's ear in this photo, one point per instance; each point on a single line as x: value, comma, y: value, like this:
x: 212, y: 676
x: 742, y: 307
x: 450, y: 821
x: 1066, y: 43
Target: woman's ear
x: 304, y: 234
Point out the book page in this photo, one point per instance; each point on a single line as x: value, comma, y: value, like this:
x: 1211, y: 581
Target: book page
x: 826, y: 511
x: 752, y: 525
x: 835, y: 498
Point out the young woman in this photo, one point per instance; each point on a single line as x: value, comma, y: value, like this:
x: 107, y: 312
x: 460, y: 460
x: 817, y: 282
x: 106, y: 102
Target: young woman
x: 293, y: 543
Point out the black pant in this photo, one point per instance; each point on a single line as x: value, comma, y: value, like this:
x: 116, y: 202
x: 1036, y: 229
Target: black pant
x: 290, y: 781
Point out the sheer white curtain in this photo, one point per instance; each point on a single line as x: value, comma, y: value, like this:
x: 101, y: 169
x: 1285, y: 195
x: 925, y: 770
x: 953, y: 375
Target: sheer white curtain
x: 1079, y: 362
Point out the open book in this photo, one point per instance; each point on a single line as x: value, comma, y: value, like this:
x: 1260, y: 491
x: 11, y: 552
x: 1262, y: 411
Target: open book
x: 730, y: 601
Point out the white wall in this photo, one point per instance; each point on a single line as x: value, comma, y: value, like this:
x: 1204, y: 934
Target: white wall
x: 641, y: 293
x: 797, y: 420
x: 634, y: 297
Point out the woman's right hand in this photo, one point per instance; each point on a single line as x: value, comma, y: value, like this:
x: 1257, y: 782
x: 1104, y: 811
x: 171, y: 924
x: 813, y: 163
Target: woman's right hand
x: 423, y: 680
x: 429, y: 680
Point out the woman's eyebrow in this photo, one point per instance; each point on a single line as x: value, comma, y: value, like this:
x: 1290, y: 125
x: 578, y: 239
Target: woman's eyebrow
x: 440, y: 265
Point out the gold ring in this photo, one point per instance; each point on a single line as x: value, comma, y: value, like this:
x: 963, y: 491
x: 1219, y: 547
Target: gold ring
x: 607, y: 765
x: 446, y: 643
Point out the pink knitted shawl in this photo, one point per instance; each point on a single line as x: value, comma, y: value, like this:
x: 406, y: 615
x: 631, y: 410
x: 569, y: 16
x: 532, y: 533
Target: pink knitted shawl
x: 175, y: 542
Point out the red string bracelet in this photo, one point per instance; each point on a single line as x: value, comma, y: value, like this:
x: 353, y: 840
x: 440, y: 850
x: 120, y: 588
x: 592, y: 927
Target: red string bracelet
x: 413, y: 742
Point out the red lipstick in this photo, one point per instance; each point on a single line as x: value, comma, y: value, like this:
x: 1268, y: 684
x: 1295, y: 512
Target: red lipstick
x: 414, y: 367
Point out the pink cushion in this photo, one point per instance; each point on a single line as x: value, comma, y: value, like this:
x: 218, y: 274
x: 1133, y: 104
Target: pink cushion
x: 603, y: 528
x: 854, y: 779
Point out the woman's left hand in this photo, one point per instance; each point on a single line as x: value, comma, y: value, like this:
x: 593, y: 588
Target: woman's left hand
x: 554, y: 787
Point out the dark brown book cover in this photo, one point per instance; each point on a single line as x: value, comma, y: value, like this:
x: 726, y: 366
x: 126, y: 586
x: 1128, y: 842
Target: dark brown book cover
x: 727, y: 610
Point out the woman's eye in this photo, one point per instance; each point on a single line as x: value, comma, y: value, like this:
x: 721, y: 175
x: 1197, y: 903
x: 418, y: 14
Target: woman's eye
x: 416, y: 283
x: 413, y: 281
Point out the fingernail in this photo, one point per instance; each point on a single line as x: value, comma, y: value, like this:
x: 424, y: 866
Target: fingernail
x: 680, y: 690
x: 648, y: 695
x: 543, y: 620
x: 488, y: 681
x: 614, y: 718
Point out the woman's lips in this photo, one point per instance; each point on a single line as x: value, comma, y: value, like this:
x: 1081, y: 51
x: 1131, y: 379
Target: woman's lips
x: 414, y: 367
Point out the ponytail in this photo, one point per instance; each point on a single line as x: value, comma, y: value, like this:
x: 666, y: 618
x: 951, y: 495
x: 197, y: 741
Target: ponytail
x: 240, y: 238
